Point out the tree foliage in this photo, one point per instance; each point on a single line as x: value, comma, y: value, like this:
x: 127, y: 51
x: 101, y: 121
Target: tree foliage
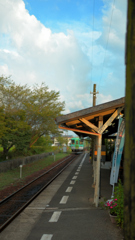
x: 26, y: 113
x: 62, y: 140
x: 44, y: 141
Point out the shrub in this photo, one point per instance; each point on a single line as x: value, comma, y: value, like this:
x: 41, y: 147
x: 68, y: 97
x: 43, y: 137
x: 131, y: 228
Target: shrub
x: 119, y: 194
x: 116, y: 205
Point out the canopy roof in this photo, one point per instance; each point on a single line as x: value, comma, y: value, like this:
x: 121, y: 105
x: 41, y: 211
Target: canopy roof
x: 85, y: 122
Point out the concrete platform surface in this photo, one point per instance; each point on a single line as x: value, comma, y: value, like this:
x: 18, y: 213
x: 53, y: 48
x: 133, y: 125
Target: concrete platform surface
x: 65, y: 210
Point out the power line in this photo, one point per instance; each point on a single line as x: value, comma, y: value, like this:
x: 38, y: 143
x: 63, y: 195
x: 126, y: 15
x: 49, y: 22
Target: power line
x: 106, y: 44
x: 92, y: 38
x: 92, y: 42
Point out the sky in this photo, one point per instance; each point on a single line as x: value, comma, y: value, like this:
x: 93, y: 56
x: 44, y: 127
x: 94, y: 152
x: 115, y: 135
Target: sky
x: 68, y: 44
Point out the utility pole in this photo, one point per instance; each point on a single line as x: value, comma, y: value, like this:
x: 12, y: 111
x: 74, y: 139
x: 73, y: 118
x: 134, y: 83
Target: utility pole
x: 98, y: 143
x: 94, y: 94
x: 94, y: 139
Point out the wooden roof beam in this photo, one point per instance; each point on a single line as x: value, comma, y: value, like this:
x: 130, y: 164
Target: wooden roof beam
x: 79, y: 130
x: 110, y: 120
x: 89, y: 124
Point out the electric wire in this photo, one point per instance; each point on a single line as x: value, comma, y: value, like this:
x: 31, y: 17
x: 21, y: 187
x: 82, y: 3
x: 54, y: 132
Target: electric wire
x: 92, y: 40
x: 92, y: 33
x: 106, y: 44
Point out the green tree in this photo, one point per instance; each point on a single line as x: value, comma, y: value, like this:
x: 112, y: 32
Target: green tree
x: 26, y: 113
x: 42, y: 109
x: 16, y: 131
x: 62, y: 140
x: 44, y: 141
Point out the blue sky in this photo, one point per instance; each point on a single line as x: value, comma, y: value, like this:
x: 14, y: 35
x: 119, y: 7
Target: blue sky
x: 55, y: 11
x: 68, y: 44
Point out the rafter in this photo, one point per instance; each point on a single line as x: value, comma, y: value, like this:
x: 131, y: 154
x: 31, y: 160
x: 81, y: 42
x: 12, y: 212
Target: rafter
x: 80, y: 131
x: 110, y: 120
x: 89, y: 124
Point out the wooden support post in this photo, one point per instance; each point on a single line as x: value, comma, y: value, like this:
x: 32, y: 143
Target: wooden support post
x: 93, y: 147
x: 129, y: 159
x: 96, y: 195
x: 94, y: 162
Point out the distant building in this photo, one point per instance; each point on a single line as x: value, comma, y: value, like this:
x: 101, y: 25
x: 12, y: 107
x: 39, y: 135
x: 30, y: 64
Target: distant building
x: 67, y: 137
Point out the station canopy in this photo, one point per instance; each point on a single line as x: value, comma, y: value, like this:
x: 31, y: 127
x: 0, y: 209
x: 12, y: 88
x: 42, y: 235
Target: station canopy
x: 85, y: 122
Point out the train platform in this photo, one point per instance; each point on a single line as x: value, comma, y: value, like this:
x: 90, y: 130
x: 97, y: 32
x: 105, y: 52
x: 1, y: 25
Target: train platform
x: 65, y: 209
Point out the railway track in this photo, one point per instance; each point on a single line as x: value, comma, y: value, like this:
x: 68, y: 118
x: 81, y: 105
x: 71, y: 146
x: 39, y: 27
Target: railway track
x: 11, y: 206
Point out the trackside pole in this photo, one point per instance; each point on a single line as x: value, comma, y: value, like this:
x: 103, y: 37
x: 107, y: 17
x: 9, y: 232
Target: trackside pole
x: 53, y: 156
x: 21, y: 171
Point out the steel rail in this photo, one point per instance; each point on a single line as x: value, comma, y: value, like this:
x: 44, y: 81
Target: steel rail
x: 37, y: 193
x: 33, y: 181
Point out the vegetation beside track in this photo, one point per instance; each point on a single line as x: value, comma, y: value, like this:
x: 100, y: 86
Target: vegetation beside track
x: 12, y: 177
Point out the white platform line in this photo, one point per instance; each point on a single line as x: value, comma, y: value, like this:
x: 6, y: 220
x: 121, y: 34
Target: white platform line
x: 36, y: 208
x: 72, y: 182
x: 64, y: 200
x: 69, y: 189
x: 55, y: 216
x: 76, y: 173
x: 46, y: 237
x: 83, y: 160
x: 75, y: 177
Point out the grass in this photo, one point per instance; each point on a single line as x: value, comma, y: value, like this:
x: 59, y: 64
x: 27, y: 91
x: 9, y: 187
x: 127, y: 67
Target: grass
x: 13, y: 176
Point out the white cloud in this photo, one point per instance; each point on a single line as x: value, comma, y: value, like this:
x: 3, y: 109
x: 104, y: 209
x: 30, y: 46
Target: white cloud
x: 114, y: 25
x: 4, y: 70
x: 55, y: 58
x: 32, y: 53
x: 103, y: 98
